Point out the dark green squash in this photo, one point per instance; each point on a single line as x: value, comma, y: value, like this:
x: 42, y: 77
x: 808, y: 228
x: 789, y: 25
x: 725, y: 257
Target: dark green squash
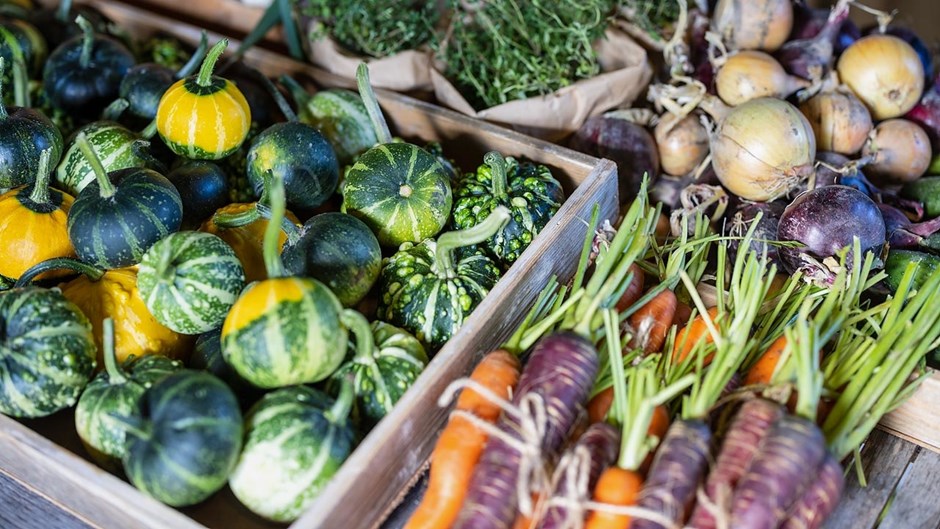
x: 530, y: 192
x: 429, y: 289
x: 117, y: 147
x: 84, y: 73
x: 58, y: 24
x: 398, y: 189
x: 203, y: 187
x: 384, y: 362
x: 189, y: 281
x: 187, y: 440
x: 296, y: 439
x: 339, y: 250
x: 115, y: 390
x: 47, y: 353
x: 24, y: 134
x: 21, y: 41
x: 115, y: 219
x: 896, y: 264
x: 207, y: 355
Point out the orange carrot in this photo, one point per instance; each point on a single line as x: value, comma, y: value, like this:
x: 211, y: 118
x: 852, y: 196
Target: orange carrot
x: 600, y: 404
x: 651, y: 322
x: 459, y: 447
x: 616, y: 486
x: 762, y: 371
x: 691, y: 334
x: 634, y: 290
x: 523, y: 521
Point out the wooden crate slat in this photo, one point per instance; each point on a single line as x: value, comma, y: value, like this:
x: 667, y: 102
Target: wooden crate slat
x: 884, y: 458
x: 20, y: 503
x: 915, y: 504
x: 919, y: 418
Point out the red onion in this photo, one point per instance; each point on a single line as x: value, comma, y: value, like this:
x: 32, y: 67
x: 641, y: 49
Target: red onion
x: 902, y: 233
x: 807, y: 21
x: 744, y: 214
x: 927, y: 114
x: 628, y: 144
x: 811, y: 58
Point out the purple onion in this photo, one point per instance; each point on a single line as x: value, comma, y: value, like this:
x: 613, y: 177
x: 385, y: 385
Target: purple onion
x: 807, y: 21
x: 740, y: 220
x: 825, y: 220
x: 902, y: 233
x: 927, y: 114
x: 627, y: 144
x: 811, y: 58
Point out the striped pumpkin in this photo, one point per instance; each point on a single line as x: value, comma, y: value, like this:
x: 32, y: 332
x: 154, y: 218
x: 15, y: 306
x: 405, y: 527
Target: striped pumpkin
x: 47, y: 349
x: 189, y: 281
x: 400, y: 191
x: 188, y: 438
x: 342, y: 117
x: 115, y: 147
x: 204, y: 117
x: 284, y: 331
x: 296, y: 439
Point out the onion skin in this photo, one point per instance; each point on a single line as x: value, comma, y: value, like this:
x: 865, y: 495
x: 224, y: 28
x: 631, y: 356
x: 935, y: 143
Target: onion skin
x: 902, y: 233
x: 682, y: 146
x: 885, y: 73
x: 901, y: 152
x: 840, y: 121
x: 825, y: 220
x: 627, y: 144
x: 747, y: 75
x: 762, y: 149
x: 753, y: 24
x: 927, y: 114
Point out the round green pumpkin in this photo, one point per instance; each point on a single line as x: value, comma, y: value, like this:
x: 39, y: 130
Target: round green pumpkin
x: 47, y: 353
x: 384, y: 362
x: 400, y: 191
x: 116, y: 146
x: 189, y: 280
x: 339, y: 250
x: 115, y: 391
x: 296, y: 440
x: 20, y: 40
x: 187, y: 440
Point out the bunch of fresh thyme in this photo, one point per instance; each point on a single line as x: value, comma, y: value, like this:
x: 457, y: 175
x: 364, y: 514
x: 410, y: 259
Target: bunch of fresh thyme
x: 502, y: 50
x: 655, y: 17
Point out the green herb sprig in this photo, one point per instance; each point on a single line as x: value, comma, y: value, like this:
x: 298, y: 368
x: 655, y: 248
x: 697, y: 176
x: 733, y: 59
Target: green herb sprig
x: 376, y: 28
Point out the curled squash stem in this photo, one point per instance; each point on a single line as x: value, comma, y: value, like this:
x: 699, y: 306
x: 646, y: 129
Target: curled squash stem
x: 117, y: 107
x: 497, y: 174
x: 343, y: 404
x: 272, y: 256
x: 115, y: 374
x: 208, y: 65
x: 62, y: 13
x: 372, y: 104
x: 278, y: 98
x: 104, y: 183
x: 450, y: 241
x: 59, y: 263
x: 198, y: 56
x: 365, y: 343
x: 40, y: 193
x: 88, y: 40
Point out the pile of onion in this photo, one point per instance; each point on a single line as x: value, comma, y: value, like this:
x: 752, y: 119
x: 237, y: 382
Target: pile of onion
x: 747, y: 75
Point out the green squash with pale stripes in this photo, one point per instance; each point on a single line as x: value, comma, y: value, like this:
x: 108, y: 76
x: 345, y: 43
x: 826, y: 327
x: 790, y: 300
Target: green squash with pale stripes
x: 47, y: 353
x: 184, y: 438
x: 401, y: 191
x: 116, y: 146
x: 342, y: 117
x: 189, y: 280
x: 296, y: 440
x: 285, y: 331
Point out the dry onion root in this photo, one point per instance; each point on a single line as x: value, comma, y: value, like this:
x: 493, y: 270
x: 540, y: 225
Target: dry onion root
x: 762, y: 149
x: 753, y: 24
x: 682, y: 143
x: 840, y: 122
x: 885, y: 73
x: 747, y: 75
x: 901, y: 151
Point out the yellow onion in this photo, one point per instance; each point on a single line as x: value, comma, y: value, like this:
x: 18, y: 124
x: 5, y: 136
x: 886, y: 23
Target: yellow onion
x: 747, y: 75
x: 753, y: 24
x: 682, y: 145
x: 762, y: 149
x: 901, y: 152
x: 840, y: 121
x: 885, y: 73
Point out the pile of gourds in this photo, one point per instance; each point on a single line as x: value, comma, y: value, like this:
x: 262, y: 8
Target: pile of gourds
x: 170, y: 231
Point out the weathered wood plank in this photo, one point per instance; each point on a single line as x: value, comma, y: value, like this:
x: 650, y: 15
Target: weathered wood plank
x: 884, y: 458
x: 915, y: 504
x: 21, y: 503
x: 919, y: 418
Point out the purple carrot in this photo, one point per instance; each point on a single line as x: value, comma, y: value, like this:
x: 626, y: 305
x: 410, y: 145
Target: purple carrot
x: 602, y: 442
x: 747, y: 431
x: 560, y: 370
x: 810, y: 58
x: 819, y: 499
x: 788, y: 458
x: 677, y: 470
x: 927, y: 114
x: 902, y: 233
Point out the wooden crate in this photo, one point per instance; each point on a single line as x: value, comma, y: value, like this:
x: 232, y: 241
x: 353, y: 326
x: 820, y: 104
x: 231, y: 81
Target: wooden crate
x: 46, y: 479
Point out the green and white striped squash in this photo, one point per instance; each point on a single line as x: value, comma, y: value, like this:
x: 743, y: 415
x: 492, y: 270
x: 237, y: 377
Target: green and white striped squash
x: 296, y: 440
x: 115, y: 146
x: 47, y: 353
x: 189, y: 280
x: 400, y: 191
x: 342, y: 118
x: 187, y: 439
x: 285, y: 331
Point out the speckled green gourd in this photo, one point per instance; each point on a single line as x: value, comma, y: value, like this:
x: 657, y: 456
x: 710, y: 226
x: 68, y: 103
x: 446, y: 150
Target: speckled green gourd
x: 187, y: 440
x: 296, y: 440
x: 115, y: 146
x: 115, y: 391
x: 530, y: 192
x: 189, y: 280
x: 47, y: 353
x: 429, y: 289
x: 383, y: 363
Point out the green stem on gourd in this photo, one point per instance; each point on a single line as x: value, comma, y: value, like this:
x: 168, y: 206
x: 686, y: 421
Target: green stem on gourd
x: 3, y: 107
x: 365, y: 342
x: 208, y: 65
x: 450, y: 241
x: 149, y: 130
x: 229, y: 221
x: 344, y: 401
x: 117, y: 107
x: 59, y: 263
x: 88, y: 40
x: 62, y: 13
x: 282, y: 103
x: 300, y: 95
x: 20, y: 80
x: 287, y: 226
x: 115, y: 373
x: 133, y: 425
x: 372, y: 104
x: 497, y: 173
x: 198, y: 56
x: 40, y: 192
x: 104, y: 183
x: 272, y: 233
